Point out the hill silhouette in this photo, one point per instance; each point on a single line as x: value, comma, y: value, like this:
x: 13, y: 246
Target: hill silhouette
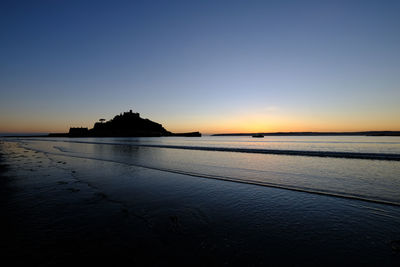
x: 127, y: 124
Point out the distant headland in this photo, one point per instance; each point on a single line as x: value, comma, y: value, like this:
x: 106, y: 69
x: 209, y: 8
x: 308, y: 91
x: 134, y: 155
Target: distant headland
x: 365, y: 133
x: 127, y: 124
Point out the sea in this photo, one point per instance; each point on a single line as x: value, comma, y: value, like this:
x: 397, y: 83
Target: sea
x: 207, y: 201
x: 366, y: 168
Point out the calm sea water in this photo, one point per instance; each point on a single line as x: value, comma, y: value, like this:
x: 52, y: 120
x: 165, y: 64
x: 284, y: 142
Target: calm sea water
x: 371, y: 180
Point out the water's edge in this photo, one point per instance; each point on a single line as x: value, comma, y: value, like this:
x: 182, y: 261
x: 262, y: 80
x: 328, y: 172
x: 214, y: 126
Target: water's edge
x: 227, y: 178
x: 308, y: 153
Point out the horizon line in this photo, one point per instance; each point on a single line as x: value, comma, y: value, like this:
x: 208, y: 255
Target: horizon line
x: 5, y: 134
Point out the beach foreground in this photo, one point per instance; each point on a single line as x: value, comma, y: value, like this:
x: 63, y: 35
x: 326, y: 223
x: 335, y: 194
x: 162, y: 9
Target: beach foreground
x: 61, y: 210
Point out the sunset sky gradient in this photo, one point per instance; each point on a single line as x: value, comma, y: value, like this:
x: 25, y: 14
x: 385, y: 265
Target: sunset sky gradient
x: 209, y: 66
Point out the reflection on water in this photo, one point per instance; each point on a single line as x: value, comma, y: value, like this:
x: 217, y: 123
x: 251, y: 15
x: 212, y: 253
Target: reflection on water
x: 362, y: 144
x: 62, y: 205
x: 366, y: 179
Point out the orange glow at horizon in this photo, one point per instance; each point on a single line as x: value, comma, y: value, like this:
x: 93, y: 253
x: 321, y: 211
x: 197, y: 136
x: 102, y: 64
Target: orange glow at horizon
x: 251, y: 122
x: 255, y: 124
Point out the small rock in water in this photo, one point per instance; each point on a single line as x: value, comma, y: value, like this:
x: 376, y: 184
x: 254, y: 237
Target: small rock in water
x: 125, y: 210
x: 174, y: 218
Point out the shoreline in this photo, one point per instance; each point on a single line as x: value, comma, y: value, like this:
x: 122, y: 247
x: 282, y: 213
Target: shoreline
x: 250, y: 182
x: 307, y: 153
x: 61, y: 208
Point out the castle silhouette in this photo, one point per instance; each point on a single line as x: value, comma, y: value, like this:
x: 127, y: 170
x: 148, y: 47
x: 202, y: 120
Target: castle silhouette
x: 128, y: 124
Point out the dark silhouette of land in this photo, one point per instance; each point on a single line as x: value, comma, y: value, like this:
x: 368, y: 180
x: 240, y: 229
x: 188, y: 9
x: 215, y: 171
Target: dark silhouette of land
x: 127, y: 124
x: 365, y: 133
x: 130, y: 124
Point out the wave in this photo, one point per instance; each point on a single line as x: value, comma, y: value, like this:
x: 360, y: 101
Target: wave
x: 308, y: 153
x: 318, y: 191
x: 329, y: 154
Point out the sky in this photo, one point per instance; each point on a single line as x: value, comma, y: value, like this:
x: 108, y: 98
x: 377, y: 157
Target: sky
x: 208, y: 66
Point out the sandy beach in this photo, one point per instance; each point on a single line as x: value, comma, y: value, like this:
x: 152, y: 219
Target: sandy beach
x: 62, y: 210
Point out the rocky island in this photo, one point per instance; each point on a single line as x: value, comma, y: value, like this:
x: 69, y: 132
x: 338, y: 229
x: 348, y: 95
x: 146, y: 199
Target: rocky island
x: 127, y: 124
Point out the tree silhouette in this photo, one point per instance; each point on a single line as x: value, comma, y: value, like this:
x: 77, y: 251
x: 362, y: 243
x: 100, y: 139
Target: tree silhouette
x: 102, y: 120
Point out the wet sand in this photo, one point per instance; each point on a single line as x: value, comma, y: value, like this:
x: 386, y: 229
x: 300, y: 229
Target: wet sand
x: 60, y: 210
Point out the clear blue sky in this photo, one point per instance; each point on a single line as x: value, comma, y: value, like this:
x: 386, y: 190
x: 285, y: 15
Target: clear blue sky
x: 213, y: 66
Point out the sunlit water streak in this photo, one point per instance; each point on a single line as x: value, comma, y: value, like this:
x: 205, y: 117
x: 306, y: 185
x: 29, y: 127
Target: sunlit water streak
x: 371, y: 180
x: 356, y: 144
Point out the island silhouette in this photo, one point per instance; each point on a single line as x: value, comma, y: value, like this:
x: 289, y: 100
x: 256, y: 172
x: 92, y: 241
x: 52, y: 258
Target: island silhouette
x: 127, y: 124
x: 130, y: 124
